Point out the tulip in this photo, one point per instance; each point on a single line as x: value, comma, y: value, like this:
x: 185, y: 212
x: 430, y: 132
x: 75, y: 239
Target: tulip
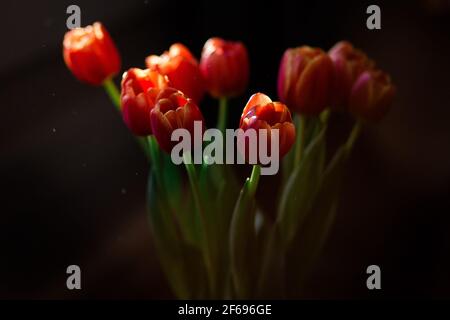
x: 91, y: 54
x: 261, y: 113
x: 173, y: 110
x: 304, y: 80
x: 140, y: 89
x: 371, y: 95
x: 180, y: 66
x: 225, y: 67
x: 348, y: 63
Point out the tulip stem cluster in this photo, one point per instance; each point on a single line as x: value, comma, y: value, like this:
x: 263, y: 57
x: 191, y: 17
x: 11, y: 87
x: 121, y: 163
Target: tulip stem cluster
x: 207, y: 250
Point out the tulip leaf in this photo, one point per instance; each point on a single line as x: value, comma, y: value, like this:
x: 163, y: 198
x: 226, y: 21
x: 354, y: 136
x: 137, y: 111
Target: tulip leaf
x: 311, y: 236
x: 301, y: 187
x: 243, y: 244
x: 180, y: 199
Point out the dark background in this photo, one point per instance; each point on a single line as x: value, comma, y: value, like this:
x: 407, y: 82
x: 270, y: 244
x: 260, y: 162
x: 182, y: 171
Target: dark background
x: 72, y: 180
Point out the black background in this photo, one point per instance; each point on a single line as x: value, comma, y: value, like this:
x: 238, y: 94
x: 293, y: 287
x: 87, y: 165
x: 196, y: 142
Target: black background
x: 72, y: 180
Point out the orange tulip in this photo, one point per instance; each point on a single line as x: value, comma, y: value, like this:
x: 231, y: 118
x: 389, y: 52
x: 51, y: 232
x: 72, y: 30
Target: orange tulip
x: 91, y: 54
x: 182, y: 69
x: 261, y: 113
x: 173, y: 110
x: 138, y: 97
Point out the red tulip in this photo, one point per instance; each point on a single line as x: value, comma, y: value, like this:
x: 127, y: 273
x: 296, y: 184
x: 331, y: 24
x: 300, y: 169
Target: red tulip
x: 180, y: 66
x: 371, y: 95
x: 261, y: 113
x: 138, y: 97
x: 91, y: 54
x: 304, y: 80
x: 348, y: 63
x: 173, y: 110
x: 225, y: 67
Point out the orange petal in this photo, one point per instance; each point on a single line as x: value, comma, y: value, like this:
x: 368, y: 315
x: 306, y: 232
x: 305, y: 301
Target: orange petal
x: 256, y: 99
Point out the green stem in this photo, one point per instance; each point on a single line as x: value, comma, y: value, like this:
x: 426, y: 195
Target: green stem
x: 299, y: 139
x: 114, y: 95
x: 207, y: 237
x: 354, y: 134
x: 254, y: 179
x: 222, y: 119
x: 112, y: 92
x: 153, y: 151
x: 144, y: 146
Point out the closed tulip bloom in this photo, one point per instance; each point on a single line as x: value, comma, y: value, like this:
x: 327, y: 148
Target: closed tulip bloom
x: 138, y: 97
x: 182, y: 69
x: 225, y: 67
x: 371, y: 95
x: 173, y: 110
x: 91, y: 54
x: 348, y: 63
x: 304, y: 80
x: 261, y: 113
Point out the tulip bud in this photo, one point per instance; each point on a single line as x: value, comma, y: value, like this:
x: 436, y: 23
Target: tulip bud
x: 138, y: 96
x: 173, y: 110
x: 348, y: 64
x: 304, y: 80
x: 261, y: 113
x: 91, y: 54
x: 225, y: 67
x: 371, y: 95
x: 180, y: 66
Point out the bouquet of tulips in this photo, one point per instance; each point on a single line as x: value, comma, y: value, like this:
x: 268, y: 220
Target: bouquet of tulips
x: 212, y: 238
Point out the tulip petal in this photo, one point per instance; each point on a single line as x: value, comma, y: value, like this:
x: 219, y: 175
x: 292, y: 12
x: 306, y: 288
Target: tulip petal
x: 256, y: 99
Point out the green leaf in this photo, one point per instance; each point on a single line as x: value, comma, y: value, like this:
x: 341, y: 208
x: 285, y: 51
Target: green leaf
x: 297, y: 195
x: 180, y: 200
x: 243, y: 244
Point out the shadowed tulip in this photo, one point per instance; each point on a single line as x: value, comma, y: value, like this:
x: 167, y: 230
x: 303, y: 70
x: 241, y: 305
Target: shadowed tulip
x: 304, y: 80
x: 348, y: 63
x: 225, y: 67
x: 372, y: 95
